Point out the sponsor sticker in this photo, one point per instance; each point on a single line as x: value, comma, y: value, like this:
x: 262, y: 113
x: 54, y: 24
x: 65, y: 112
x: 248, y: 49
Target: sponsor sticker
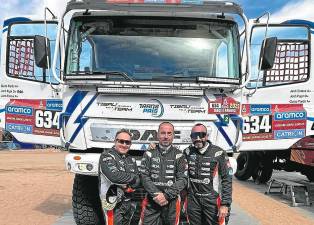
x: 40, y: 117
x: 154, y: 107
x: 287, y: 134
x: 272, y: 122
x: 260, y: 109
x: 223, y: 105
x: 19, y: 110
x: 19, y: 128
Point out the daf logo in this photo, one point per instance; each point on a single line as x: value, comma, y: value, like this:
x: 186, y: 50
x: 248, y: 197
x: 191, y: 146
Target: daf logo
x: 149, y: 135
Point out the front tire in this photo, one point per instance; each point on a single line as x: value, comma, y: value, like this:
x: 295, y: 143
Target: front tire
x: 85, y: 201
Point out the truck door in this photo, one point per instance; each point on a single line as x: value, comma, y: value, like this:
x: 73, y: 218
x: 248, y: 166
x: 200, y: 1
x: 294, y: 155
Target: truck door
x: 279, y: 101
x: 31, y: 102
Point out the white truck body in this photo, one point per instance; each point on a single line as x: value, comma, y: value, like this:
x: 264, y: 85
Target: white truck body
x: 133, y: 66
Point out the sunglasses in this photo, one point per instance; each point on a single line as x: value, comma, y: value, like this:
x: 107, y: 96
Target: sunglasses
x: 121, y: 141
x: 201, y: 135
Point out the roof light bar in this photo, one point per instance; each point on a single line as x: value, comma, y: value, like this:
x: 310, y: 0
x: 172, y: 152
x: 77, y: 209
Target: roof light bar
x: 152, y: 5
x: 151, y: 91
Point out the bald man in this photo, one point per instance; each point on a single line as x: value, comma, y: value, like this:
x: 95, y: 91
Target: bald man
x: 210, y: 190
x: 164, y: 176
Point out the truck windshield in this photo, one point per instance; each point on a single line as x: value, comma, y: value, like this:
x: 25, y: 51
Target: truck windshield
x: 154, y: 48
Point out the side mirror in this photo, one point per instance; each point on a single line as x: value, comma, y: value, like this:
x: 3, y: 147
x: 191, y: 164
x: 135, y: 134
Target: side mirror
x: 267, y: 55
x: 42, y: 51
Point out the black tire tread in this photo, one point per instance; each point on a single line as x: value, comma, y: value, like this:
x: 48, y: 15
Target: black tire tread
x: 85, y: 201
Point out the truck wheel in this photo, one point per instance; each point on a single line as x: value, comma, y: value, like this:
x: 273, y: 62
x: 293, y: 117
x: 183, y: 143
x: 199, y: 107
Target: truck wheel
x: 264, y: 171
x: 85, y: 201
x: 246, y: 163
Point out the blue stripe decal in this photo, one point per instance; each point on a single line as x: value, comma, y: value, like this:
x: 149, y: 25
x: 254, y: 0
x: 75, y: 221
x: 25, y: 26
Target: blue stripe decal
x: 81, y: 120
x: 234, y: 118
x: 4, y: 30
x: 14, y: 20
x: 221, y: 122
x: 224, y: 134
x: 310, y: 119
x: 73, y: 103
x: 2, y: 110
x: 219, y: 126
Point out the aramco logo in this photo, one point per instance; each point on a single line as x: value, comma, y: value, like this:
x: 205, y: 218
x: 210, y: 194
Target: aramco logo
x: 154, y: 107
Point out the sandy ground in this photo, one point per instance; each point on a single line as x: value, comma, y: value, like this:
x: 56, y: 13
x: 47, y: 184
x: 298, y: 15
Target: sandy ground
x: 266, y: 210
x: 35, y: 189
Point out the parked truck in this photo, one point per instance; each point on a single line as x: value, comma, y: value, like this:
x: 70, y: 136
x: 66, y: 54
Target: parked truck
x: 277, y: 108
x: 106, y: 65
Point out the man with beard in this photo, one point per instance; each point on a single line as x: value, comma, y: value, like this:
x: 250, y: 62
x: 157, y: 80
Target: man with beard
x: 164, y: 176
x: 210, y: 191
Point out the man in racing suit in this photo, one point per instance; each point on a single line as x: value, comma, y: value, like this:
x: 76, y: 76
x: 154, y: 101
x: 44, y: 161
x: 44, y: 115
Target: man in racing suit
x: 210, y: 180
x: 164, y: 176
x: 121, y: 170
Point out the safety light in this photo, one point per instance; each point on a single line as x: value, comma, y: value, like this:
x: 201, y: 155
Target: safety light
x: 77, y: 157
x: 89, y: 167
x: 84, y: 167
x: 152, y: 91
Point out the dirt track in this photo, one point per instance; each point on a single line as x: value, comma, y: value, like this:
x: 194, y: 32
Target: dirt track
x: 35, y: 189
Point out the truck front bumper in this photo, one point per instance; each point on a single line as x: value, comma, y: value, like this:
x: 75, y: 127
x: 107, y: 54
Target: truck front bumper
x: 82, y: 163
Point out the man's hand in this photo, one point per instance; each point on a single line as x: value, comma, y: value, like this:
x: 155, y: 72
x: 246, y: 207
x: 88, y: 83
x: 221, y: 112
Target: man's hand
x: 160, y: 199
x: 223, y: 212
x: 151, y: 146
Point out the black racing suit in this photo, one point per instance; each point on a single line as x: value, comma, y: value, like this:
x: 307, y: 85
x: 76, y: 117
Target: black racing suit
x: 163, y: 171
x: 210, y: 184
x: 120, y: 169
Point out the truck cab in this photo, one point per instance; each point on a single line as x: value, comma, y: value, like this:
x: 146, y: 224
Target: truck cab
x: 131, y: 65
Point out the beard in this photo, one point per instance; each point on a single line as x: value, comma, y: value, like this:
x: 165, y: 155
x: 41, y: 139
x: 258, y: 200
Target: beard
x: 199, y: 144
x: 165, y: 144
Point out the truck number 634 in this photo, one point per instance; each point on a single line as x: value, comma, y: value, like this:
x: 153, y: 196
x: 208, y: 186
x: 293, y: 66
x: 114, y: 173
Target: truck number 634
x: 47, y: 119
x: 257, y: 124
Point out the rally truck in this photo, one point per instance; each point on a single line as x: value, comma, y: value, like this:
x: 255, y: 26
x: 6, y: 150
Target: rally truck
x: 132, y: 64
x: 277, y: 107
